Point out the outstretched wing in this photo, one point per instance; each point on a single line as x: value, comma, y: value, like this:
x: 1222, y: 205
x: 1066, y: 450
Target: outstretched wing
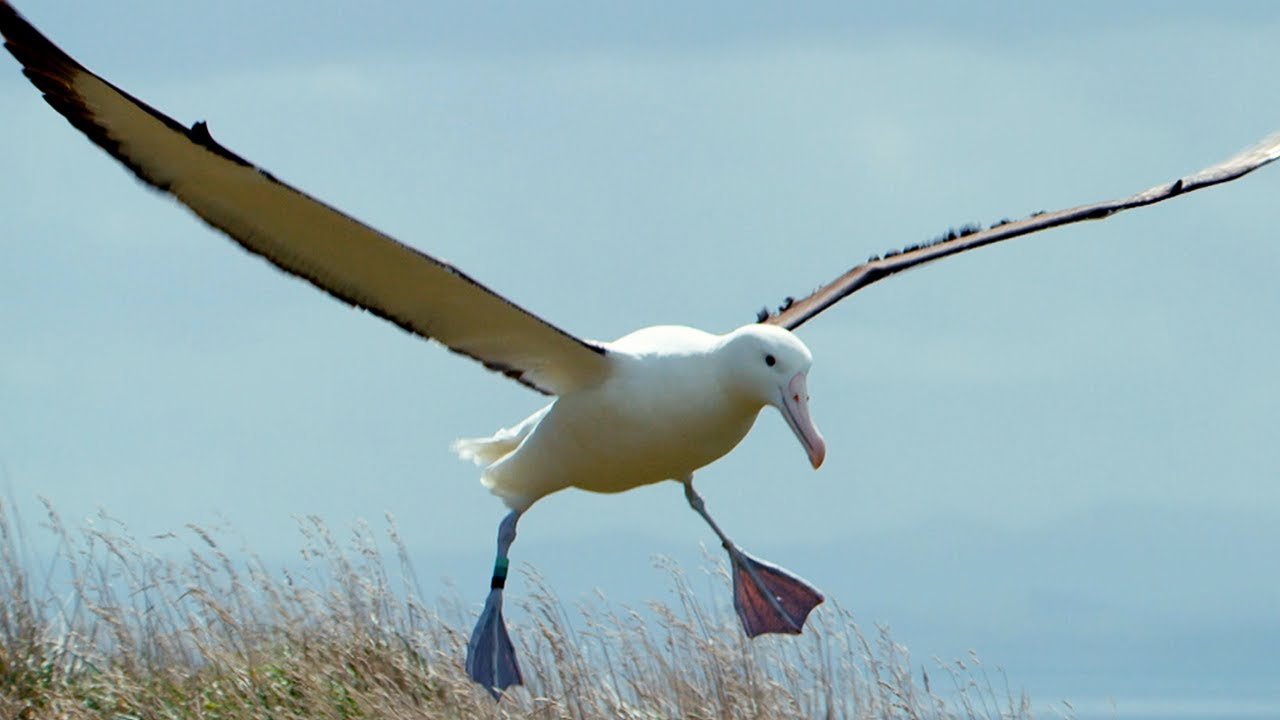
x: 794, y: 313
x: 301, y: 235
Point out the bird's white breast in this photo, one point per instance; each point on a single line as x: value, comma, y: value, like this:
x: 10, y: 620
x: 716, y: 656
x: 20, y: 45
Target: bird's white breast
x: 663, y: 412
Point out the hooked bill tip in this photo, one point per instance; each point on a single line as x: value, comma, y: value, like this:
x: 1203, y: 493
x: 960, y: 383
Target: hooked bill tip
x: 817, y: 453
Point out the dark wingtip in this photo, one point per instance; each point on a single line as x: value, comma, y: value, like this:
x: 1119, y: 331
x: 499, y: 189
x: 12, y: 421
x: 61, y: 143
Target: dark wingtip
x: 55, y: 73
x: 44, y: 63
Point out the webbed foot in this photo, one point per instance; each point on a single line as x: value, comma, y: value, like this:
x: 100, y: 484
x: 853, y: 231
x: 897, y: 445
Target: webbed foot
x: 769, y: 599
x: 491, y: 658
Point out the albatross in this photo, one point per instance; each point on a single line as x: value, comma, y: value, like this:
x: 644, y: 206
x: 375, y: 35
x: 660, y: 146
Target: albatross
x: 655, y: 405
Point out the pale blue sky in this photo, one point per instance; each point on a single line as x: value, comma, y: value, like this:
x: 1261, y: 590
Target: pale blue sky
x: 1059, y: 452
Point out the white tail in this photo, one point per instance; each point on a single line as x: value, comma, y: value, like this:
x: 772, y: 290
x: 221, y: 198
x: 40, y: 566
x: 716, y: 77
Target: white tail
x: 486, y: 451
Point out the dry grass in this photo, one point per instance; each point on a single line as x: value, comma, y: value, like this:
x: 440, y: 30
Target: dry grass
x: 133, y: 635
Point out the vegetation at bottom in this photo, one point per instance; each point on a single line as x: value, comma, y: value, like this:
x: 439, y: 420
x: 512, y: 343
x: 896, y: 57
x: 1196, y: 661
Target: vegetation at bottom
x: 109, y: 629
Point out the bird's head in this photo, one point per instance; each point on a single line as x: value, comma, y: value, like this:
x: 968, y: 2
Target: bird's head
x: 770, y: 366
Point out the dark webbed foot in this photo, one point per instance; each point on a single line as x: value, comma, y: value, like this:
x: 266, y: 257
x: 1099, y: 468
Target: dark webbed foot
x: 769, y: 599
x: 491, y: 658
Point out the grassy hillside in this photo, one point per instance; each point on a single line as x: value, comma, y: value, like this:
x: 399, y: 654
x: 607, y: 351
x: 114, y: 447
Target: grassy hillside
x: 108, y: 629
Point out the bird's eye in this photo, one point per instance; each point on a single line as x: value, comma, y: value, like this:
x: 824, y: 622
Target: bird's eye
x: 770, y: 360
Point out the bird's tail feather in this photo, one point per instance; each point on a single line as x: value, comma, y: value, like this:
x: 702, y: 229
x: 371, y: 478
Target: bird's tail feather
x: 487, y: 451
x: 484, y: 451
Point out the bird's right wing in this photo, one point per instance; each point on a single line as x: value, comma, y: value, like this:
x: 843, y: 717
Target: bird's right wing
x: 301, y: 235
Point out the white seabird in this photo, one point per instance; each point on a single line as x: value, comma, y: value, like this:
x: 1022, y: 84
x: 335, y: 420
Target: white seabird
x: 657, y: 404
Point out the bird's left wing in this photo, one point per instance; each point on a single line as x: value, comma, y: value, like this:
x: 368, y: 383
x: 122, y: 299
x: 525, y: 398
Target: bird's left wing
x: 794, y: 312
x: 301, y: 235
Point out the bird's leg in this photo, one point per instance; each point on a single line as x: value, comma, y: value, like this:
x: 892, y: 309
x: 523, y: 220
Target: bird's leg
x: 767, y: 598
x: 491, y: 658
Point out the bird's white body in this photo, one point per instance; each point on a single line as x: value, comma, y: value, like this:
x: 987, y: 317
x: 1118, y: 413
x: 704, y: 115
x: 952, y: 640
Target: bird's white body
x: 674, y: 400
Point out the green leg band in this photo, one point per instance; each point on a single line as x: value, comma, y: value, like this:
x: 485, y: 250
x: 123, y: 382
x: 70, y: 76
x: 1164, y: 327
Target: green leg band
x: 499, y: 574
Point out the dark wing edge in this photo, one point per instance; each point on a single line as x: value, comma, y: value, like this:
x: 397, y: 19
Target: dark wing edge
x: 795, y: 312
x: 56, y: 75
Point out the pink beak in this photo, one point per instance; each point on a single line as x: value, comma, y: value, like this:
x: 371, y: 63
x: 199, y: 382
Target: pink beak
x: 795, y: 409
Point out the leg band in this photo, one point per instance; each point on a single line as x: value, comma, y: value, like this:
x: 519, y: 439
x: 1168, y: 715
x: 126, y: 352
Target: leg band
x: 499, y: 580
